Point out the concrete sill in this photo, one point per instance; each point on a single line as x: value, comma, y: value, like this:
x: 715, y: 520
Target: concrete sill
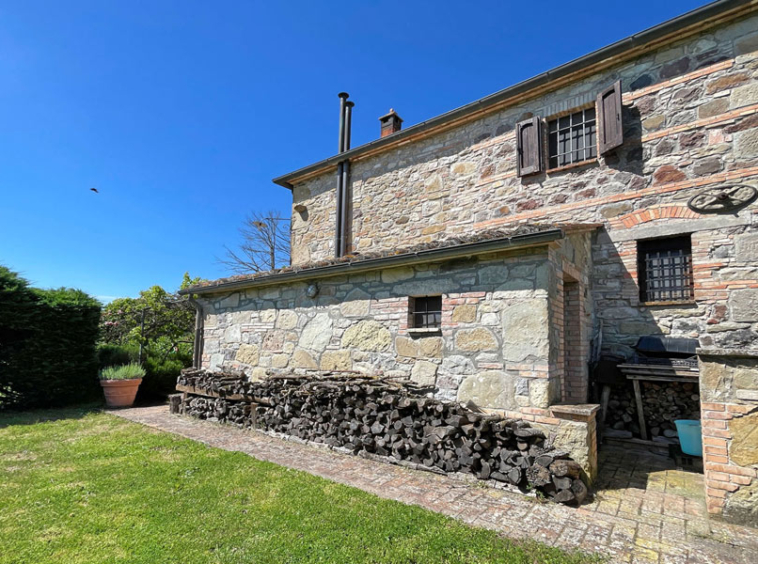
x: 424, y: 331
x: 736, y: 353
x: 579, y: 412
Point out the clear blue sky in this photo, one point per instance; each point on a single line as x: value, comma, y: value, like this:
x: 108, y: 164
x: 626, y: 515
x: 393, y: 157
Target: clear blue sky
x: 180, y: 113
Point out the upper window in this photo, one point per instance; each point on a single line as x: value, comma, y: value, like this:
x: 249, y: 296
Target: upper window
x: 665, y: 269
x: 426, y: 312
x: 571, y: 138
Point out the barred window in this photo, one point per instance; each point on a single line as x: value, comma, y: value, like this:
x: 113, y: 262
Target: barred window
x: 665, y: 269
x: 571, y: 138
x: 426, y: 312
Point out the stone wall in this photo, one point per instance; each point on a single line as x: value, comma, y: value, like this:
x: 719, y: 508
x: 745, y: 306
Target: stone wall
x: 691, y: 121
x: 500, y: 343
x: 493, y: 347
x: 723, y: 312
x: 729, y: 400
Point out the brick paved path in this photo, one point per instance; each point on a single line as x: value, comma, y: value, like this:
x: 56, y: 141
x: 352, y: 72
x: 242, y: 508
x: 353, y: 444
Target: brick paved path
x: 653, y: 515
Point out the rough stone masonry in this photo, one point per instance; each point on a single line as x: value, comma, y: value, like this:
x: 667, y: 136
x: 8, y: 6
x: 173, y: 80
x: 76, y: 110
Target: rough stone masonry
x: 518, y: 321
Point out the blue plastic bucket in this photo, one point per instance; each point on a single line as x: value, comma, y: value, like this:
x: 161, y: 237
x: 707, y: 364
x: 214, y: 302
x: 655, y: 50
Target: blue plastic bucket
x: 690, y: 436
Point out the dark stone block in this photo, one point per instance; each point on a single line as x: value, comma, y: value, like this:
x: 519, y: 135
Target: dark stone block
x: 743, y: 124
x: 675, y: 68
x: 637, y: 183
x: 709, y: 58
x: 746, y: 44
x: 687, y: 94
x: 641, y: 82
x: 708, y: 165
x: 691, y: 140
x: 528, y: 205
x: 667, y: 174
x: 736, y: 339
x: 665, y: 147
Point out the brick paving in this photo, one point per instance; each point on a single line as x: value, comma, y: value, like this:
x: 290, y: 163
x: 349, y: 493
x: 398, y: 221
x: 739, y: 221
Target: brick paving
x: 644, y: 510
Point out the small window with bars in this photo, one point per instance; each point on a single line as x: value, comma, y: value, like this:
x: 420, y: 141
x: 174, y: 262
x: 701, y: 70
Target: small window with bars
x: 571, y: 138
x: 665, y: 269
x: 426, y: 312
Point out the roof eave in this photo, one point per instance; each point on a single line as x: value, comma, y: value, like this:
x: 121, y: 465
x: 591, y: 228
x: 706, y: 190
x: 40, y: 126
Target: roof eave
x: 610, y: 52
x: 419, y: 257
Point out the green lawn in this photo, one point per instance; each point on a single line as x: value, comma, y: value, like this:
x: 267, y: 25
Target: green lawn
x: 83, y: 486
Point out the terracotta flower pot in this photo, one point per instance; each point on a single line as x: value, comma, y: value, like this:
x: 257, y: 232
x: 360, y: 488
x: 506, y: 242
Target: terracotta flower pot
x: 120, y: 393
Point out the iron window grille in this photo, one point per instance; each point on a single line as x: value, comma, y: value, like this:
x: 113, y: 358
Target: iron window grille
x: 572, y: 138
x: 426, y: 312
x: 665, y: 270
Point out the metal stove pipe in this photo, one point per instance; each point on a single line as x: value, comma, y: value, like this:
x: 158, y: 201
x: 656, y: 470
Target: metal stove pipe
x: 343, y: 96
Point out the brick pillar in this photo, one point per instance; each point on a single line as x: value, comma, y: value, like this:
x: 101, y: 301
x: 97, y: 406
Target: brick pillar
x: 729, y: 417
x: 574, y: 345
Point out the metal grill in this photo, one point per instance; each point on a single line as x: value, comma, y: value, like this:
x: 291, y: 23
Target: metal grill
x: 571, y: 138
x: 674, y: 352
x: 665, y: 269
x: 675, y: 362
x: 427, y: 312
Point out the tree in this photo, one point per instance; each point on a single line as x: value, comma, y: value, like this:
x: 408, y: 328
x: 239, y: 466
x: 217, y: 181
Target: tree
x: 156, y: 328
x: 155, y: 316
x: 265, y: 244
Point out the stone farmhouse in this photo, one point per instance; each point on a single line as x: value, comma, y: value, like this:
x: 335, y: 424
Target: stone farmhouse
x: 496, y: 252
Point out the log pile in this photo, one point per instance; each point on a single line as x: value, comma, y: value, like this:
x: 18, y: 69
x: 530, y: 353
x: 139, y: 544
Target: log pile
x: 622, y: 410
x: 380, y: 417
x: 663, y: 403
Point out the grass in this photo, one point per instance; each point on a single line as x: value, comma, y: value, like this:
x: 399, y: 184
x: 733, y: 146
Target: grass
x: 79, y: 486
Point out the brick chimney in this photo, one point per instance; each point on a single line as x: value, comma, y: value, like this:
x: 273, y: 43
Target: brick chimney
x: 391, y: 123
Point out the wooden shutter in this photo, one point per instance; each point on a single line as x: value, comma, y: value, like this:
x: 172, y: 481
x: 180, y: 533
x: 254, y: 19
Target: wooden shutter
x: 609, y: 125
x: 529, y: 146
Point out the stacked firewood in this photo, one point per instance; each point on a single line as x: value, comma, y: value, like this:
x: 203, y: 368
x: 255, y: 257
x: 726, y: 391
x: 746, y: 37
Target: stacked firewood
x: 663, y: 403
x: 622, y: 410
x: 384, y: 418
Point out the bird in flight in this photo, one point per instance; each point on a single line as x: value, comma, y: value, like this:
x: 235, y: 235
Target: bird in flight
x: 94, y: 190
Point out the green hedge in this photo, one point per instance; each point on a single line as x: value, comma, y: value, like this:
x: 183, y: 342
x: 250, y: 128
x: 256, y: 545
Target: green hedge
x: 47, y: 344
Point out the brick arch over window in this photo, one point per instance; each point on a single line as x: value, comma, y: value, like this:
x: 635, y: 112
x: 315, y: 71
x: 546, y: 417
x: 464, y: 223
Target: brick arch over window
x: 667, y: 211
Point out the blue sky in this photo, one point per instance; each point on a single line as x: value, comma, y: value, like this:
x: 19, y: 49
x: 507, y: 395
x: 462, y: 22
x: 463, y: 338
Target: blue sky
x: 180, y: 113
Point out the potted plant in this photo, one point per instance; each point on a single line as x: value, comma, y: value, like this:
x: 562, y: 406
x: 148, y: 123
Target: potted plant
x: 120, y: 384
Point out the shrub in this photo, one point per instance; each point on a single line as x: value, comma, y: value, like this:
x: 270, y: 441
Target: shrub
x: 131, y: 371
x: 162, y: 373
x: 47, y: 344
x: 112, y: 355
